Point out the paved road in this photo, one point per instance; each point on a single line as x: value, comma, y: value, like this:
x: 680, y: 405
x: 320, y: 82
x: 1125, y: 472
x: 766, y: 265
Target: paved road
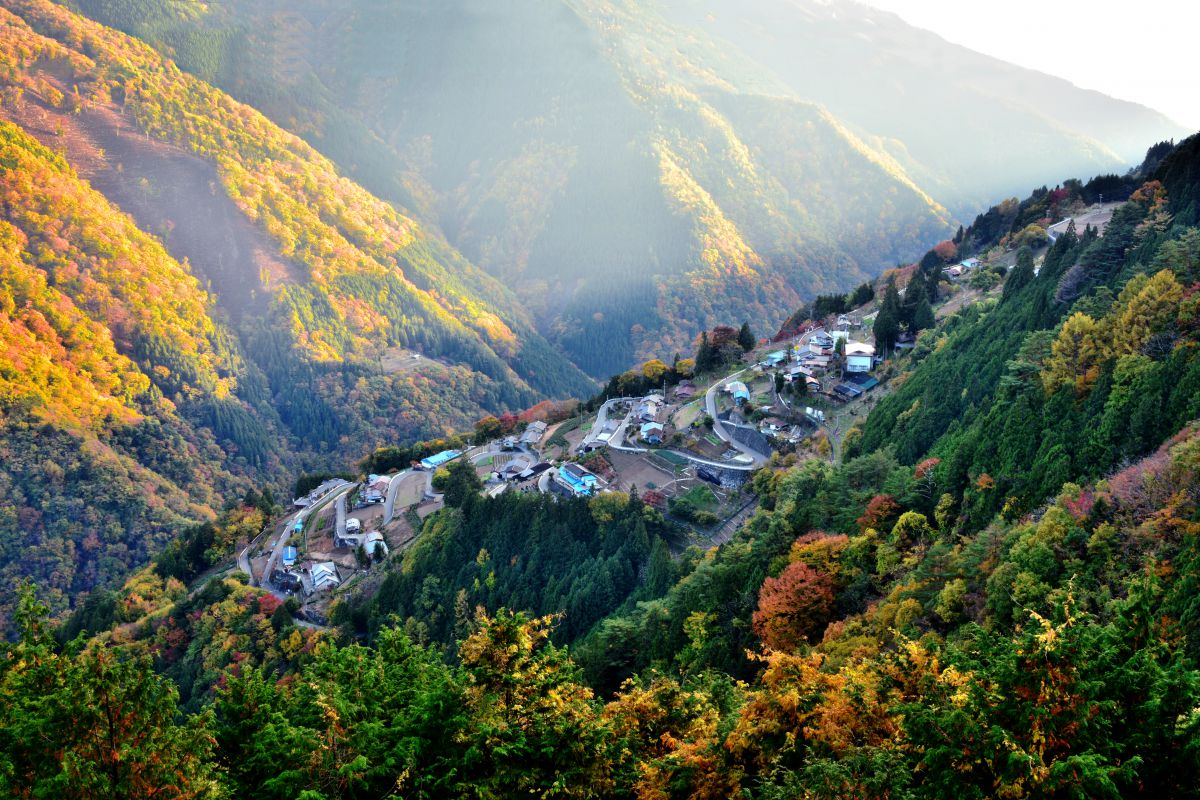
x: 710, y: 407
x: 618, y: 436
x: 243, y: 559
x: 340, y: 519
x: 602, y: 419
x: 389, y: 506
x: 302, y: 515
x: 695, y: 459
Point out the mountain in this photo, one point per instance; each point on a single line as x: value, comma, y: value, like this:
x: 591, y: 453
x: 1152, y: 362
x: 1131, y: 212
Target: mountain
x: 196, y: 302
x: 966, y: 127
x: 993, y: 592
x: 638, y: 171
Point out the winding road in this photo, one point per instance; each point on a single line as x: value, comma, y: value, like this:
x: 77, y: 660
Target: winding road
x: 389, y: 508
x: 710, y: 407
x: 602, y: 419
x: 338, y: 495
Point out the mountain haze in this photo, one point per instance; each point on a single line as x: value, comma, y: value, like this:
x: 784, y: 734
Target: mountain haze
x: 637, y: 171
x: 966, y: 127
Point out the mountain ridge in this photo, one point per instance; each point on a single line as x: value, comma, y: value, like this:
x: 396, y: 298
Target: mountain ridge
x: 200, y: 305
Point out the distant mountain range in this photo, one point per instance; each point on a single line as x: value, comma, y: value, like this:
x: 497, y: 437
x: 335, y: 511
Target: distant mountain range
x: 637, y: 171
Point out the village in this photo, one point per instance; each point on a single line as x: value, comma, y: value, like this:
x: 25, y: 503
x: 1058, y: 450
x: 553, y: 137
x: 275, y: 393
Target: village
x: 688, y: 449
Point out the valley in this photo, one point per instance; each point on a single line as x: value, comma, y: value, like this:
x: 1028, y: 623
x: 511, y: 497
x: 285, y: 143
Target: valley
x: 589, y: 399
x: 633, y: 173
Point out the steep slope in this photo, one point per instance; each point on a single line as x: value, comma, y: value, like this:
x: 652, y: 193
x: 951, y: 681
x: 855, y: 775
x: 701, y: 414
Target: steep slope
x: 875, y: 630
x: 267, y: 329
x: 110, y: 360
x: 967, y: 127
x: 639, y: 170
x: 625, y: 204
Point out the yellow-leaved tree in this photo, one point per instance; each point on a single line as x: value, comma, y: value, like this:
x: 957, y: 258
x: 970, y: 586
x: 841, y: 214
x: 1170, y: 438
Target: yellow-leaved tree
x: 1147, y: 305
x: 1076, y: 354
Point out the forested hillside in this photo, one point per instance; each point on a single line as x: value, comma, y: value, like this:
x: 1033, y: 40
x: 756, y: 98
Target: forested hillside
x: 539, y: 553
x: 907, y: 623
x: 111, y: 360
x: 628, y: 198
x: 196, y: 301
x: 640, y: 171
x: 1075, y: 370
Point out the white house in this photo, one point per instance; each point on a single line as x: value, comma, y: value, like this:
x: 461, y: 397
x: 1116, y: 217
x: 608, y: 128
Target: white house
x: 860, y: 357
x: 324, y: 576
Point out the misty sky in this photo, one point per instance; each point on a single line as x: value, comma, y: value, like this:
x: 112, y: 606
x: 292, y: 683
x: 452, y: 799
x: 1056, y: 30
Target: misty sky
x: 1088, y: 43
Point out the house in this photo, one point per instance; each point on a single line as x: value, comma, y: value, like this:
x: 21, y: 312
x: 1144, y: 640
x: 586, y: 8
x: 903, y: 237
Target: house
x: 818, y: 365
x: 773, y: 425
x: 513, y: 469
x: 799, y: 372
x: 324, y: 576
x: 290, y: 554
x: 652, y: 432
x: 969, y: 264
x: 685, y: 390
x: 575, y: 480
x: 750, y: 437
x: 846, y: 321
x: 647, y: 409
x: 955, y: 272
x: 862, y: 380
x: 349, y: 537
x: 286, y: 582
x: 776, y: 358
x: 860, y: 357
x: 374, y: 543
x: 739, y: 392
x: 533, y: 433
x: 317, y: 493
x: 796, y: 371
x: 438, y: 459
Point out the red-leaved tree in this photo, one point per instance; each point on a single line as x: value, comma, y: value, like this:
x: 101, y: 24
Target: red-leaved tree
x: 793, y: 607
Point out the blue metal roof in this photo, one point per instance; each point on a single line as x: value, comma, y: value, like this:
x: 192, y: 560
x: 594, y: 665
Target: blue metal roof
x: 438, y: 459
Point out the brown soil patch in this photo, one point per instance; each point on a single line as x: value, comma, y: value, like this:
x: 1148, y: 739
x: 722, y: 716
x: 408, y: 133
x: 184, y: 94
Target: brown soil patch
x: 169, y: 193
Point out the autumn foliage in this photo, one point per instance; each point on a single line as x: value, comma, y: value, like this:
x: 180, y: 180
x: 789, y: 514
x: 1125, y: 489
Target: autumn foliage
x: 793, y: 607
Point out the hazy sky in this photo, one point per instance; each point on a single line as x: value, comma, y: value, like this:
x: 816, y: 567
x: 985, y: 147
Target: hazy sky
x: 1145, y: 51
